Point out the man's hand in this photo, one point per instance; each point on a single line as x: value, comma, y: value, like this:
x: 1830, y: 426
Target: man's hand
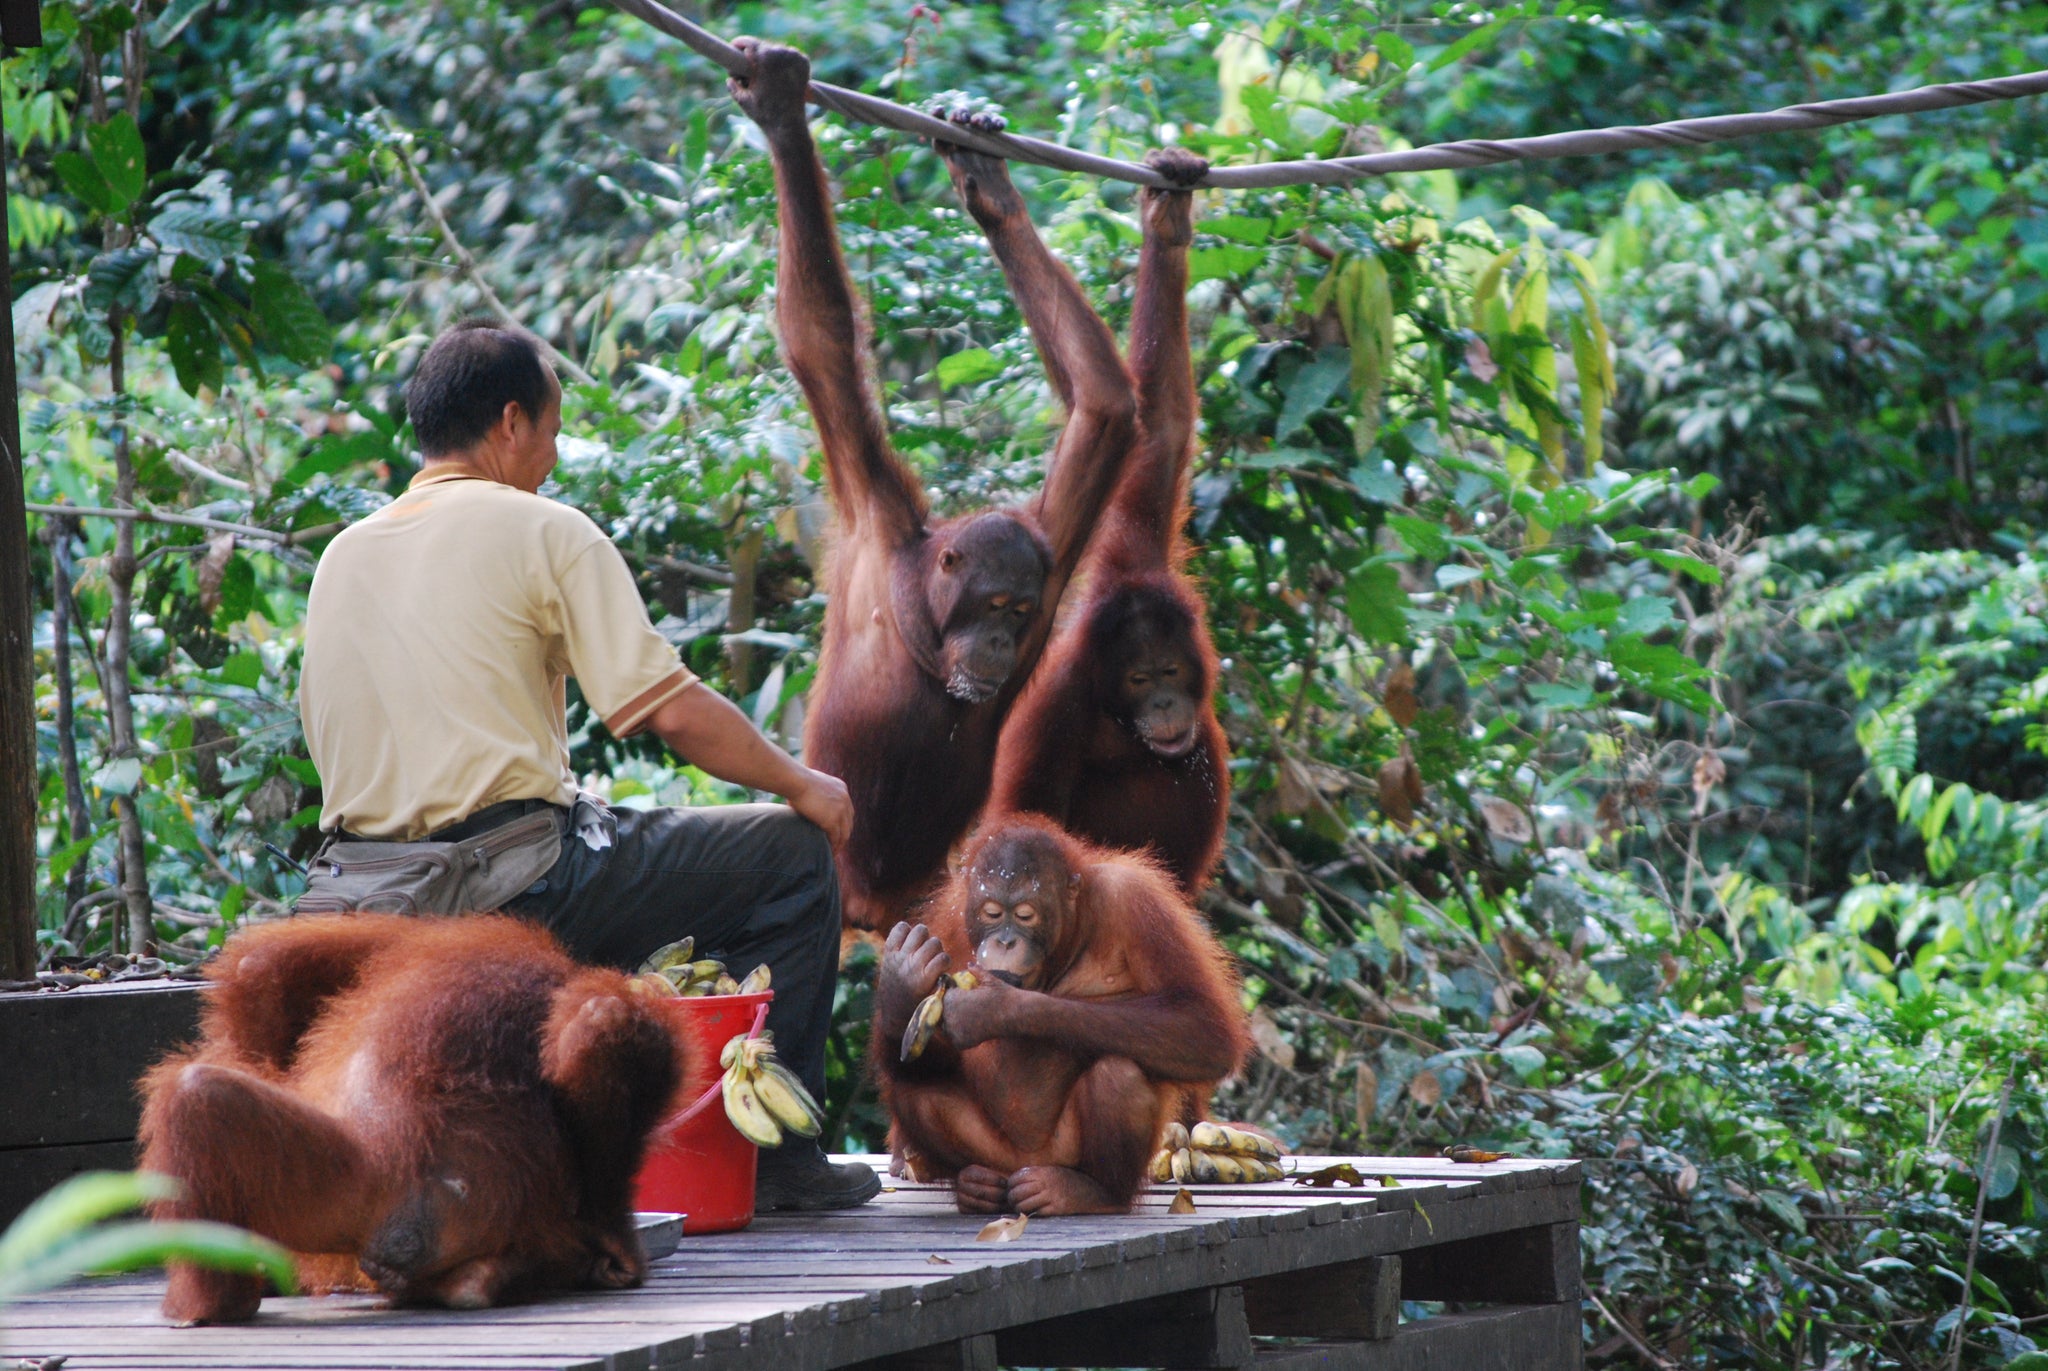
x: 772, y: 94
x: 823, y: 800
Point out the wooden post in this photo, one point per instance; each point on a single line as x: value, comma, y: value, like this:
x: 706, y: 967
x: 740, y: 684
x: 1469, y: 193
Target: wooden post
x: 20, y: 24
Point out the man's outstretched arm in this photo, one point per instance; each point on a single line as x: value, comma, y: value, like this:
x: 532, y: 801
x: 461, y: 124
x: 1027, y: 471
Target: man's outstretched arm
x: 709, y: 731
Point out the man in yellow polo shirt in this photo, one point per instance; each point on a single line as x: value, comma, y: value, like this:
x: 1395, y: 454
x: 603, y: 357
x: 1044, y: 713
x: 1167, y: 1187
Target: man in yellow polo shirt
x: 440, y: 634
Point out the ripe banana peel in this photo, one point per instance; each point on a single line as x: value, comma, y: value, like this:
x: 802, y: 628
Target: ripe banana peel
x: 763, y: 1098
x: 1216, y: 1154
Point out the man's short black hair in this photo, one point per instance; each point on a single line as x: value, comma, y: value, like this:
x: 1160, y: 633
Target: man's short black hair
x: 468, y: 376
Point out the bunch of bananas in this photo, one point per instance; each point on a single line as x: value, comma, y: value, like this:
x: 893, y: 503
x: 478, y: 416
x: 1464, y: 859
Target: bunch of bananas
x: 1216, y: 1154
x: 670, y: 971
x: 763, y: 1098
x: 924, y: 1020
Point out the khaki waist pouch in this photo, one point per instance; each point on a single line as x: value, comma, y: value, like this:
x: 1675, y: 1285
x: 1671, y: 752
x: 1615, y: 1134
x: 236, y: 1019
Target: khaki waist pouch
x: 476, y: 874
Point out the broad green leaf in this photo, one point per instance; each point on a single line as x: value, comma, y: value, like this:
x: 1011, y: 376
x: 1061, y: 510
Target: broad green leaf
x: 1423, y: 538
x: 332, y: 454
x: 124, y: 278
x: 1704, y: 572
x: 117, y: 152
x: 1527, y: 1061
x: 1398, y: 51
x: 291, y: 322
x: 1239, y: 228
x: 119, y: 776
x: 130, y: 1246
x: 242, y: 669
x: 194, y: 348
x: 83, y: 180
x: 1211, y: 264
x: 1309, y: 390
x: 1376, y: 603
x: 188, y: 227
x: 968, y: 368
x: 79, y: 1202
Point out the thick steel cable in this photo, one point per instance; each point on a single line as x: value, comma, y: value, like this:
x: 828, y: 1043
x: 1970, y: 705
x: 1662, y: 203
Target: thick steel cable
x: 1459, y: 156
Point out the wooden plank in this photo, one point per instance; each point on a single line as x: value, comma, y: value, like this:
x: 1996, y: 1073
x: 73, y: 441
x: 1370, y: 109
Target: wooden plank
x: 1357, y: 1299
x: 1195, y: 1329
x: 1537, y: 1265
x: 72, y: 1058
x: 814, y: 1292
x: 965, y: 1354
x: 1508, y: 1338
x: 26, y: 1172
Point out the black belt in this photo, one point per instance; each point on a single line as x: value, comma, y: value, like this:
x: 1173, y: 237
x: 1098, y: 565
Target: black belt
x: 483, y: 821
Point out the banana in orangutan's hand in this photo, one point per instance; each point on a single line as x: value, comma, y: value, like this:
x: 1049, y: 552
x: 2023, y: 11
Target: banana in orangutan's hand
x: 925, y: 1019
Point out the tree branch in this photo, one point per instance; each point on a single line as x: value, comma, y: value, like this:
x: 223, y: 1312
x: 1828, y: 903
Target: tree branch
x: 154, y: 516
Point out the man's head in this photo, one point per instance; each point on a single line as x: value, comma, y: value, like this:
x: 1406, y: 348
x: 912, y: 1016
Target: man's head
x: 484, y: 395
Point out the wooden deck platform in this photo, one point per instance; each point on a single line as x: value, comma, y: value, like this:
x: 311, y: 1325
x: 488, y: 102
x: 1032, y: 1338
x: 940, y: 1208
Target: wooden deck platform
x: 1277, y: 1277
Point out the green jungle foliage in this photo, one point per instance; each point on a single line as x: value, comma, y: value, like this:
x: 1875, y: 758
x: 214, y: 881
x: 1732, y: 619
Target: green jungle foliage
x: 1628, y: 571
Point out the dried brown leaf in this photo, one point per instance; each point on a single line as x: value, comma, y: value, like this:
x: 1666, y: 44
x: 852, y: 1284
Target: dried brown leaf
x: 1479, y: 357
x: 1183, y: 1202
x: 1368, y: 1094
x: 1400, y: 789
x: 1270, y: 1041
x: 1688, y: 1179
x: 1293, y: 789
x: 1505, y: 821
x: 936, y: 1260
x: 1425, y: 1089
x: 1399, y: 696
x: 1708, y: 771
x: 1009, y: 1228
x: 212, y: 567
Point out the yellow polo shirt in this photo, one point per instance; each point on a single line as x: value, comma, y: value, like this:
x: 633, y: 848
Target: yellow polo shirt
x: 440, y: 633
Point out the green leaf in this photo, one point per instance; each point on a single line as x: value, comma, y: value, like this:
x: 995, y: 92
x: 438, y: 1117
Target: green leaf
x: 128, y: 1246
x: 1365, y: 307
x: 291, y: 322
x: 243, y: 669
x: 1705, y: 572
x: 237, y: 598
x: 2005, y: 1172
x: 1239, y: 228
x: 1423, y: 538
x: 124, y: 278
x: 83, y: 180
x: 194, y: 349
x: 1310, y: 389
x: 117, y: 152
x: 69, y: 855
x: 1214, y: 264
x: 119, y: 776
x: 1377, y: 604
x: 332, y: 454
x: 80, y: 1201
x: 1527, y: 1061
x: 1398, y: 51
x: 968, y: 368
x: 192, y: 228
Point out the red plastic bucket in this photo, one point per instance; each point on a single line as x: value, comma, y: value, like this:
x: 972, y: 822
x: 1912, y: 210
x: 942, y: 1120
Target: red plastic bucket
x: 698, y: 1165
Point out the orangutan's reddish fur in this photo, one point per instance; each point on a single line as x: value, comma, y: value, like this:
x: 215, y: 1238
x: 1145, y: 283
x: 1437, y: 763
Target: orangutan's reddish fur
x: 451, y: 1105
x: 892, y: 713
x: 1071, y: 749
x: 1052, y: 1099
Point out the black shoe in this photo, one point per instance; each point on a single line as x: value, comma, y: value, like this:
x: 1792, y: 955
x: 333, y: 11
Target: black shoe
x: 798, y: 1176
